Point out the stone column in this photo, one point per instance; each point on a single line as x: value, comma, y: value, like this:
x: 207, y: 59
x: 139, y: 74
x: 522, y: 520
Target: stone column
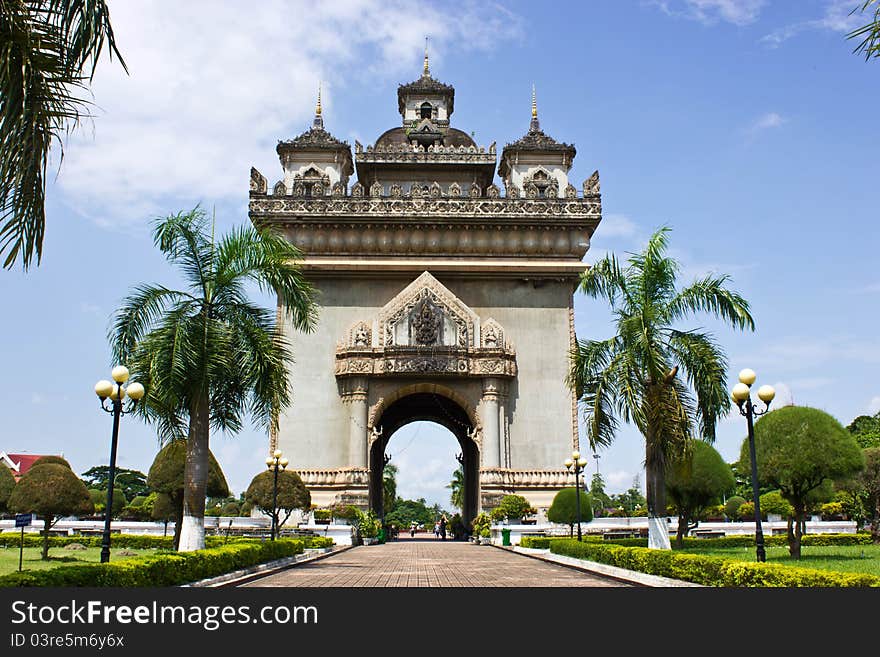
x: 356, y: 397
x: 491, y: 430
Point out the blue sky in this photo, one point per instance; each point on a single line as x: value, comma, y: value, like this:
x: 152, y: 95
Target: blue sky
x: 748, y: 126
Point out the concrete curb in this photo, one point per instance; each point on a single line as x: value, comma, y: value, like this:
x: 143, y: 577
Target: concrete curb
x: 245, y: 575
x: 622, y: 574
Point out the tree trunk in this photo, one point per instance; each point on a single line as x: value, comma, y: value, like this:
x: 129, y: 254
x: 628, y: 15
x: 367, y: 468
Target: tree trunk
x: 875, y: 522
x: 195, y: 477
x: 655, y: 494
x: 794, y: 546
x: 47, y: 524
x: 682, y: 530
x: 178, y: 521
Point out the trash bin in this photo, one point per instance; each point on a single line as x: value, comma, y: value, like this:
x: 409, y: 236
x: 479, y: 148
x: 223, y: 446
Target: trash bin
x: 505, y: 536
x: 381, y: 535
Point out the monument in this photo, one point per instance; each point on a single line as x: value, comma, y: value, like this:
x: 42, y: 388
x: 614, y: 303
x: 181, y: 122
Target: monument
x: 442, y: 298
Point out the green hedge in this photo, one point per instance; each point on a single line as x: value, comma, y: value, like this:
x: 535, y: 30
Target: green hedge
x: 707, y: 570
x: 138, y: 541
x: 747, y: 540
x: 165, y: 569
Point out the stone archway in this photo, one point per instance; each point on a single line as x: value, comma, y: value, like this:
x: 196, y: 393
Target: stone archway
x: 433, y: 406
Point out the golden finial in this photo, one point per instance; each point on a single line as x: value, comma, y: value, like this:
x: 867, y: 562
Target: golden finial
x: 426, y: 72
x: 318, y: 106
x: 534, y: 104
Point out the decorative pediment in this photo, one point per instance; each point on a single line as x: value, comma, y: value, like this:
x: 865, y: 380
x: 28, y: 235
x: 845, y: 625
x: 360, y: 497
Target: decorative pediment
x: 492, y: 336
x: 426, y: 313
x: 425, y: 330
x: 360, y: 336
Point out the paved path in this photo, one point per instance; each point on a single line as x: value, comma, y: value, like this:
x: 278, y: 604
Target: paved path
x: 422, y: 562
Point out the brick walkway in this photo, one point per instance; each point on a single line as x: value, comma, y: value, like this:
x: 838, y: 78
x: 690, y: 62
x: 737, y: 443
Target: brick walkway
x: 427, y: 562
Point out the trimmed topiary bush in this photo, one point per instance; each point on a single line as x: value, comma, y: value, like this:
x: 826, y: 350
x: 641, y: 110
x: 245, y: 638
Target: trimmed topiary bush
x: 708, y: 570
x: 51, y: 490
x: 7, y: 483
x: 564, y: 509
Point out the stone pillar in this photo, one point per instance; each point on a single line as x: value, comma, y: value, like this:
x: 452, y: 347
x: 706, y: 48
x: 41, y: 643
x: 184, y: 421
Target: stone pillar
x: 491, y: 428
x: 356, y: 397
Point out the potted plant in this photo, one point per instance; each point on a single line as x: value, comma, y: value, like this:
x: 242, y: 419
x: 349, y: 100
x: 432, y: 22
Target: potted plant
x: 485, y: 537
x: 368, y: 527
x: 480, y: 524
x: 347, y: 514
x: 512, y: 509
x: 322, y: 516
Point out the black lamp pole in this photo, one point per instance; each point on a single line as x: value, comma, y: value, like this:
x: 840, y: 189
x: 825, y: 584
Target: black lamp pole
x: 742, y: 396
x: 276, y: 462
x: 576, y: 464
x: 274, y: 500
x: 748, y: 410
x: 111, y: 476
x: 116, y: 393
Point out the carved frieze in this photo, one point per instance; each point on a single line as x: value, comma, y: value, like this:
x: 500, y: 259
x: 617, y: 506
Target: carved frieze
x: 268, y: 208
x: 335, y: 477
x: 519, y: 479
x: 390, y: 362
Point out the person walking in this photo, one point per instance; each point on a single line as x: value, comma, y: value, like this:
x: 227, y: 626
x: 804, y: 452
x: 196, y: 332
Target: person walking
x: 437, y: 529
x: 412, y: 530
x: 443, y: 527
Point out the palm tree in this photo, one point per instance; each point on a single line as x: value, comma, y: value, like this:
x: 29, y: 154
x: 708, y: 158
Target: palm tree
x: 389, y: 487
x: 207, y: 356
x: 634, y: 376
x: 457, y: 488
x: 48, y: 53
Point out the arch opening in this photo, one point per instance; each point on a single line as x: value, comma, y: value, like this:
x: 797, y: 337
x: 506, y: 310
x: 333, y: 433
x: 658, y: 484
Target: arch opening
x: 430, y: 407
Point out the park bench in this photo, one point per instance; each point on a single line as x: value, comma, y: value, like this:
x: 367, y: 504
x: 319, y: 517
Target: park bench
x: 707, y: 533
x: 621, y: 533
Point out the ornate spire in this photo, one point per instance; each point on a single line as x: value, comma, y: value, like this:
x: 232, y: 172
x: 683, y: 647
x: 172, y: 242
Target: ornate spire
x: 534, y: 126
x: 426, y: 71
x: 319, y: 120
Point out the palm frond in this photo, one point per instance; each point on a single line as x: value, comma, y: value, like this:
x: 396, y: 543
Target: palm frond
x: 44, y: 48
x: 869, y: 33
x: 705, y: 367
x: 137, y: 315
x: 605, y: 280
x: 592, y: 377
x: 85, y: 25
x: 710, y: 295
x: 182, y: 238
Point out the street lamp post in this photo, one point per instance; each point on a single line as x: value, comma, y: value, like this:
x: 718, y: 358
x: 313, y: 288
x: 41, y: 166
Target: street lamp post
x: 576, y: 464
x: 276, y: 462
x: 116, y: 393
x: 742, y: 396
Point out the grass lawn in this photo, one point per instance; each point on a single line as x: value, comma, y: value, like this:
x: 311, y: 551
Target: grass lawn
x: 58, y: 556
x: 848, y: 558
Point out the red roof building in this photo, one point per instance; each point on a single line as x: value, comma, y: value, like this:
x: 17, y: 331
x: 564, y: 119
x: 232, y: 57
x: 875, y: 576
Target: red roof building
x: 19, y: 464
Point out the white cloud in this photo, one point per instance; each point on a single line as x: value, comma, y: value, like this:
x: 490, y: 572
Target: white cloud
x: 801, y: 352
x: 203, y: 101
x: 710, y: 12
x: 89, y: 308
x: 871, y: 288
x: 764, y: 122
x: 838, y: 17
x: 874, y: 405
x: 616, y: 225
x: 784, y: 396
x: 618, y: 480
